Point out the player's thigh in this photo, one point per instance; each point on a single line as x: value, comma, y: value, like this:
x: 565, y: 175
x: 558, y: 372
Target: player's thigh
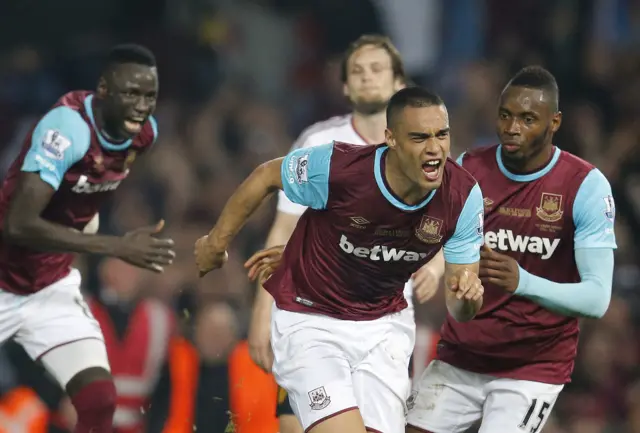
x: 11, y: 314
x: 382, y: 410
x: 64, y: 362
x: 310, y: 363
x: 516, y: 406
x: 445, y: 399
x: 381, y: 383
x: 289, y: 424
x: 346, y: 421
x: 58, y: 316
x: 286, y: 418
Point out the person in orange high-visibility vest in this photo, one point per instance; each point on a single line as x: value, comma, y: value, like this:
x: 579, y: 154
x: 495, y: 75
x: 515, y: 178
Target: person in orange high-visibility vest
x: 252, y: 393
x: 22, y: 411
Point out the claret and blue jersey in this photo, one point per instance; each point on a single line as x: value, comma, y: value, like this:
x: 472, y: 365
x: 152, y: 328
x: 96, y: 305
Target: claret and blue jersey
x: 357, y: 244
x: 558, y: 223
x: 69, y: 153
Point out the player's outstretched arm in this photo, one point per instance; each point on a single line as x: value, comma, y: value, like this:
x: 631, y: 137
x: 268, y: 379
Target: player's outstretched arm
x: 461, y: 256
x: 303, y: 175
x: 24, y: 226
x: 210, y: 251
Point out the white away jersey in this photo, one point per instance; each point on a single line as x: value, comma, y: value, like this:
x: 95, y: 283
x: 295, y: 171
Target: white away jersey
x: 339, y: 128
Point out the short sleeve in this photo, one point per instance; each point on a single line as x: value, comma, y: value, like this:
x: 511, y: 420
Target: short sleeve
x: 59, y: 140
x: 305, y: 175
x: 594, y: 213
x: 464, y: 246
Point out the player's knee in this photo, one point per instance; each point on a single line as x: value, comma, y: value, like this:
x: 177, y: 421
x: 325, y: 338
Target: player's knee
x: 86, y: 377
x: 93, y: 395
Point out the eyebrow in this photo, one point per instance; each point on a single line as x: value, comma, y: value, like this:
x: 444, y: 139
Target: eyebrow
x: 424, y: 135
x: 521, y: 113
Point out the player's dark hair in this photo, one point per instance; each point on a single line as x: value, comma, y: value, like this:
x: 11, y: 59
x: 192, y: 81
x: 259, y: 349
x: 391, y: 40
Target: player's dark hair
x: 411, y: 97
x: 380, y: 41
x: 537, y: 77
x: 130, y: 53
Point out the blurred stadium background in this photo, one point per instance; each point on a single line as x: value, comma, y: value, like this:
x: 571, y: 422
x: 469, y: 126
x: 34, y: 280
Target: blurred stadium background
x: 241, y: 78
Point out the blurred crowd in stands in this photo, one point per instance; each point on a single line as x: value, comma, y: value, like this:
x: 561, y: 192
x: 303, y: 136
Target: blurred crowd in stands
x: 239, y: 81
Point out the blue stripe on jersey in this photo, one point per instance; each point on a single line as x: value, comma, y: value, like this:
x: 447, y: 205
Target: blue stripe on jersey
x: 59, y: 140
x: 463, y: 247
x: 526, y: 177
x: 154, y: 128
x: 588, y: 298
x: 386, y: 193
x: 103, y: 141
x: 460, y: 158
x: 305, y: 175
x: 594, y: 213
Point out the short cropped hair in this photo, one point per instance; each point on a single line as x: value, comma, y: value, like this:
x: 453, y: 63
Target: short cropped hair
x: 379, y: 41
x: 537, y: 77
x: 131, y: 53
x: 411, y: 97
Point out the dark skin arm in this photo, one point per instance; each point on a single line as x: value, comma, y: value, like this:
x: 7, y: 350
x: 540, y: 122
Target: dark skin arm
x: 25, y: 227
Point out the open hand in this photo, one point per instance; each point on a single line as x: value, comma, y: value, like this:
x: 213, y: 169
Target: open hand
x: 264, y: 263
x: 499, y: 269
x: 141, y: 248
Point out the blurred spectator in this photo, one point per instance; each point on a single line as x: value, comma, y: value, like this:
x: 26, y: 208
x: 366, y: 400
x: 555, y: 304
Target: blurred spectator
x: 137, y: 332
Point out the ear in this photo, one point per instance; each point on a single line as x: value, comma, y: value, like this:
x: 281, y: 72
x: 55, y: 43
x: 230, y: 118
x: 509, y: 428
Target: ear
x: 102, y: 87
x: 399, y: 84
x: 388, y: 137
x: 556, y: 121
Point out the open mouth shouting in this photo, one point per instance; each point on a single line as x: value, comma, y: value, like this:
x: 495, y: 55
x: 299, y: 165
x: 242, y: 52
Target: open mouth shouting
x: 432, y: 168
x: 133, y: 125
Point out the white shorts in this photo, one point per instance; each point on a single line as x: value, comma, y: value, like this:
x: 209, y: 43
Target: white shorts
x: 330, y: 366
x: 447, y: 399
x: 54, y: 316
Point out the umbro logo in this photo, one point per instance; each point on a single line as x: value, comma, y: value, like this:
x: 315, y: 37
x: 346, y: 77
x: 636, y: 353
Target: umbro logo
x: 359, y: 222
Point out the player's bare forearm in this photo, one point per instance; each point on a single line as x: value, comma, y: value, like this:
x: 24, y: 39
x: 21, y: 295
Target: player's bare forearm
x: 245, y: 200
x: 461, y: 309
x: 24, y: 226
x: 436, y: 265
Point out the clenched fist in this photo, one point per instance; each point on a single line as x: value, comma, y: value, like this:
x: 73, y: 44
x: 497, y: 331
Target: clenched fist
x: 465, y: 285
x: 208, y: 257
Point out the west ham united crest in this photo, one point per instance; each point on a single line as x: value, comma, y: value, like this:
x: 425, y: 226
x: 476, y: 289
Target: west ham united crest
x: 429, y: 230
x: 550, y: 209
x: 319, y: 398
